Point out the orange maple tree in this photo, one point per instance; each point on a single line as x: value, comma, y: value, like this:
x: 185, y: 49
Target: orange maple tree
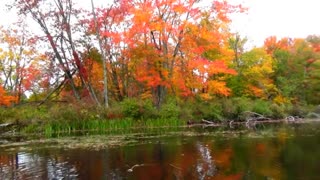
x: 171, y: 46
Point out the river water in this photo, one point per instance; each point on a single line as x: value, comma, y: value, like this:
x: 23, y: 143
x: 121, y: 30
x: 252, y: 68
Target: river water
x: 291, y: 152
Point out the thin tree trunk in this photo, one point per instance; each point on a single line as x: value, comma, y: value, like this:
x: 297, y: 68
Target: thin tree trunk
x: 66, y: 70
x: 53, y: 91
x: 82, y: 71
x: 105, y: 80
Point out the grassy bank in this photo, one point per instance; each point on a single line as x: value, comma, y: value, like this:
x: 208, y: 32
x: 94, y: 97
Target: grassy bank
x: 53, y: 118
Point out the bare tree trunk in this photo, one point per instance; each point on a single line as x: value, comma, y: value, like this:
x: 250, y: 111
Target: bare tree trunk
x: 82, y: 73
x: 66, y: 70
x: 105, y: 79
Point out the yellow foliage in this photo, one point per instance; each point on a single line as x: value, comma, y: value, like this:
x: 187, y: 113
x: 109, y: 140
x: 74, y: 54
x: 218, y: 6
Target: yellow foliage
x: 255, y: 91
x: 218, y: 87
x: 280, y: 100
x: 205, y: 96
x: 146, y: 95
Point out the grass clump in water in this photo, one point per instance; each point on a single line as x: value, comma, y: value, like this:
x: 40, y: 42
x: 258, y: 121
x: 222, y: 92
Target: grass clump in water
x: 126, y: 125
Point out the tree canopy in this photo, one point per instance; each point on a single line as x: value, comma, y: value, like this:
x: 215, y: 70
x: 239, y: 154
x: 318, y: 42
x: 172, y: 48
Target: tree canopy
x: 149, y: 49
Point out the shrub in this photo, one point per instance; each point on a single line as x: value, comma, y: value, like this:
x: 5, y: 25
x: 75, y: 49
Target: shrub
x: 170, y: 109
x: 300, y: 110
x: 131, y: 108
x: 113, y: 112
x: 229, y: 109
x: 278, y: 111
x: 187, y: 110
x: 243, y: 104
x: 210, y: 111
x: 262, y: 107
x: 239, y: 105
x: 6, y: 114
x: 24, y: 114
x: 64, y: 113
x: 148, y: 110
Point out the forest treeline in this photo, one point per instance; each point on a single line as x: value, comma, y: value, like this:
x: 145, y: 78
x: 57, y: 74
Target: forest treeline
x: 152, y: 55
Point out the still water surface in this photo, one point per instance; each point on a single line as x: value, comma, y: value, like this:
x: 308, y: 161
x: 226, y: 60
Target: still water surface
x: 285, y: 153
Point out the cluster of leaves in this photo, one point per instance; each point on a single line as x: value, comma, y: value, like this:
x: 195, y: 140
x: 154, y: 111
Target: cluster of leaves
x: 6, y: 100
x: 284, y: 71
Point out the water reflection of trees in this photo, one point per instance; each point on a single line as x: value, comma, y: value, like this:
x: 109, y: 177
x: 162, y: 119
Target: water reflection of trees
x: 178, y: 158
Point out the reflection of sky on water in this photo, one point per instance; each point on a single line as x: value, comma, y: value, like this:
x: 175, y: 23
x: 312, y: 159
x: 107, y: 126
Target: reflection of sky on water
x: 32, y: 166
x: 61, y: 170
x: 28, y: 164
x: 205, y: 166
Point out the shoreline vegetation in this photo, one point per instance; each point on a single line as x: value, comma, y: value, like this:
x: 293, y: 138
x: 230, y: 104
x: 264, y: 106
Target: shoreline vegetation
x: 133, y: 115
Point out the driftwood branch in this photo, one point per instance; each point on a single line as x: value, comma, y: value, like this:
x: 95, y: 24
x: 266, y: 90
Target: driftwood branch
x: 137, y: 165
x: 6, y: 125
x: 206, y: 121
x: 253, y: 116
x: 250, y: 119
x: 292, y: 118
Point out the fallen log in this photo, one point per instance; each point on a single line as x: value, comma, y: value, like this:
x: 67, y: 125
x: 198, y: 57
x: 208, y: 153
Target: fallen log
x: 251, y: 122
x: 203, y: 122
x: 6, y: 127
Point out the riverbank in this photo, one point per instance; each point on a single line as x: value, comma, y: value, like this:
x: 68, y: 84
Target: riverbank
x: 97, y: 140
x: 63, y: 118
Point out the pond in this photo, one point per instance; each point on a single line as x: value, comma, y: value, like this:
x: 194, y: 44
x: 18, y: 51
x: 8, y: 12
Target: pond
x: 282, y: 152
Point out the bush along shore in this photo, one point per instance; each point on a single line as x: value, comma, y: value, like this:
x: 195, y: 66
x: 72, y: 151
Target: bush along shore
x: 57, y: 117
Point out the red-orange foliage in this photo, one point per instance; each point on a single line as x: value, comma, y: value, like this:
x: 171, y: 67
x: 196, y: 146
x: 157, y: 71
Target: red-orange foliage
x: 150, y: 47
x: 6, y: 100
x: 177, y: 45
x: 271, y: 44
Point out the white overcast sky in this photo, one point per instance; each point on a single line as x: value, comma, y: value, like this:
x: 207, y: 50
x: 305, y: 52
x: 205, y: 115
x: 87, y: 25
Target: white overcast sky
x: 281, y: 18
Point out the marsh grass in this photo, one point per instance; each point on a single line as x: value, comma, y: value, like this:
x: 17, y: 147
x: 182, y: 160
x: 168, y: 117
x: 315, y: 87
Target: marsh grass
x: 108, y: 126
